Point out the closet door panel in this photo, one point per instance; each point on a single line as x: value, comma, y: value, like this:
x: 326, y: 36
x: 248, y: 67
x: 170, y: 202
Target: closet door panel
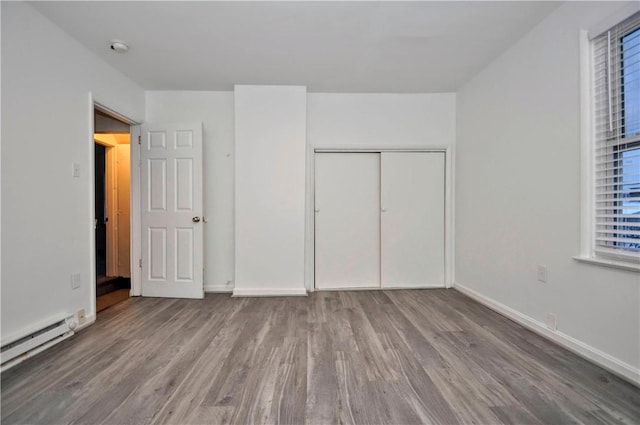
x: 412, y: 219
x: 347, y: 220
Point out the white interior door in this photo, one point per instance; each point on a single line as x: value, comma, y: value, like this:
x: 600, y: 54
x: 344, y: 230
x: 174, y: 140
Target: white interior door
x: 171, y: 210
x: 412, y: 219
x: 347, y: 220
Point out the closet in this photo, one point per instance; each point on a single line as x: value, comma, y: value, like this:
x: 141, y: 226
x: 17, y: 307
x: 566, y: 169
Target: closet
x: 379, y: 219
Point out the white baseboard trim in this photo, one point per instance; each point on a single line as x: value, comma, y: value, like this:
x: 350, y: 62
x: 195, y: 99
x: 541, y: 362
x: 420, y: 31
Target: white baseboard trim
x: 380, y: 288
x: 269, y: 292
x: 427, y: 286
x: 612, y: 364
x: 218, y: 288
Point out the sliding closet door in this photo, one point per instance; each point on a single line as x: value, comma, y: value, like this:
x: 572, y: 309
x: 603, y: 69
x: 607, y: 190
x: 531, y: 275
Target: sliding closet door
x: 347, y: 220
x: 412, y: 220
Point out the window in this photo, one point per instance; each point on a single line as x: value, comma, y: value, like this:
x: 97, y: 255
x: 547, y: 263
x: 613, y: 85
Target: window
x: 616, y: 56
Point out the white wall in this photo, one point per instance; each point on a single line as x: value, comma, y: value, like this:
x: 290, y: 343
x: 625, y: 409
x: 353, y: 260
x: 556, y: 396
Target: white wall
x: 215, y: 111
x: 270, y: 146
x: 332, y: 120
x: 47, y: 215
x: 381, y: 120
x: 518, y: 194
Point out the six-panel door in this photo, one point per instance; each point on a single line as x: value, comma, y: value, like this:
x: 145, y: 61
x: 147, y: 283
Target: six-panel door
x: 171, y: 211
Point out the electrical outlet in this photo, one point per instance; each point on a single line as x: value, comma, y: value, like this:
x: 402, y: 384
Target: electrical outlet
x: 543, y: 273
x: 552, y: 321
x: 81, y: 316
x: 75, y: 280
x: 75, y: 169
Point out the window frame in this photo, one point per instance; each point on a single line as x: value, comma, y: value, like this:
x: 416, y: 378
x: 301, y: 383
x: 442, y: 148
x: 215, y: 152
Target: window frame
x: 589, y: 252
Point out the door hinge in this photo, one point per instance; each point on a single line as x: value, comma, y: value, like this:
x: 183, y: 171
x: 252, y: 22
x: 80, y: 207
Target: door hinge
x: 139, y: 140
x: 140, y: 263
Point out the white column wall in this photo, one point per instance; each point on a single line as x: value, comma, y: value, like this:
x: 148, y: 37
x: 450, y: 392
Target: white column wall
x: 270, y: 146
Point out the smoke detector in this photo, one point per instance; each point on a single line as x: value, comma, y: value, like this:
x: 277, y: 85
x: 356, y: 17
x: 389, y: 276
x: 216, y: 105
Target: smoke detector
x: 119, y: 46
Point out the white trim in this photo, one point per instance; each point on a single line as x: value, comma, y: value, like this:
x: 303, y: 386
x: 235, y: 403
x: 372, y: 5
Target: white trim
x: 449, y: 201
x: 135, y: 202
x: 218, y: 288
x: 379, y: 149
x: 269, y: 292
x: 427, y: 286
x: 599, y: 261
x: 113, y: 114
x: 136, y: 232
x: 587, y: 162
x: 386, y: 288
x: 612, y: 364
x: 92, y: 204
x: 309, y: 225
x: 449, y: 217
x: 348, y: 289
x: 586, y: 148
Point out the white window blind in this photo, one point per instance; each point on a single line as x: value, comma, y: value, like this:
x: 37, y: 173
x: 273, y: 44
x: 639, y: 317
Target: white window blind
x: 616, y: 94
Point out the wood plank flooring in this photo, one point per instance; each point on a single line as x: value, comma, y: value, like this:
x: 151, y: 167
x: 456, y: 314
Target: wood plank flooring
x: 375, y: 357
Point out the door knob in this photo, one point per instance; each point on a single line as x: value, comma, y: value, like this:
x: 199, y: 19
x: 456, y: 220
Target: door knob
x: 317, y: 210
x: 383, y: 209
x: 195, y: 219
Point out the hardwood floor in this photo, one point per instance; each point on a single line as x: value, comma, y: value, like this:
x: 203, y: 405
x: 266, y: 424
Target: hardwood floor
x: 378, y: 357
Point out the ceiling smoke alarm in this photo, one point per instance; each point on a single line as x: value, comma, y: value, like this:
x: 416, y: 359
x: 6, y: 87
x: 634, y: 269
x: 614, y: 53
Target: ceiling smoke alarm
x: 119, y: 46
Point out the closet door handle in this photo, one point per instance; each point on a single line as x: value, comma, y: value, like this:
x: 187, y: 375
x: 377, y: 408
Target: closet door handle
x: 383, y: 210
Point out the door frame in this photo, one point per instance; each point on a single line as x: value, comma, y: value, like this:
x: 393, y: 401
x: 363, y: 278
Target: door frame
x: 449, y: 235
x: 135, y: 242
x: 110, y: 185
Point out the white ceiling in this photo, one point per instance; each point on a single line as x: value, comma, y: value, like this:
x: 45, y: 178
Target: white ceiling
x: 327, y: 46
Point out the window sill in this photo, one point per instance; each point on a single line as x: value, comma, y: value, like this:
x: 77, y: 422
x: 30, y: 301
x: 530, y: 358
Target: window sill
x: 634, y: 267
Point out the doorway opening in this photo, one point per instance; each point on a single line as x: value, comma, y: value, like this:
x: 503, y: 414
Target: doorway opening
x: 112, y: 222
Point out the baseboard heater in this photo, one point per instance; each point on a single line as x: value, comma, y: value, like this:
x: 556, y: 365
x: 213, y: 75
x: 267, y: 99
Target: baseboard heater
x: 18, y: 349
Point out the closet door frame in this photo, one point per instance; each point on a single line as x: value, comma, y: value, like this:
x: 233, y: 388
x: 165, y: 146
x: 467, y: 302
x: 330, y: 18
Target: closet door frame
x: 448, y: 202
